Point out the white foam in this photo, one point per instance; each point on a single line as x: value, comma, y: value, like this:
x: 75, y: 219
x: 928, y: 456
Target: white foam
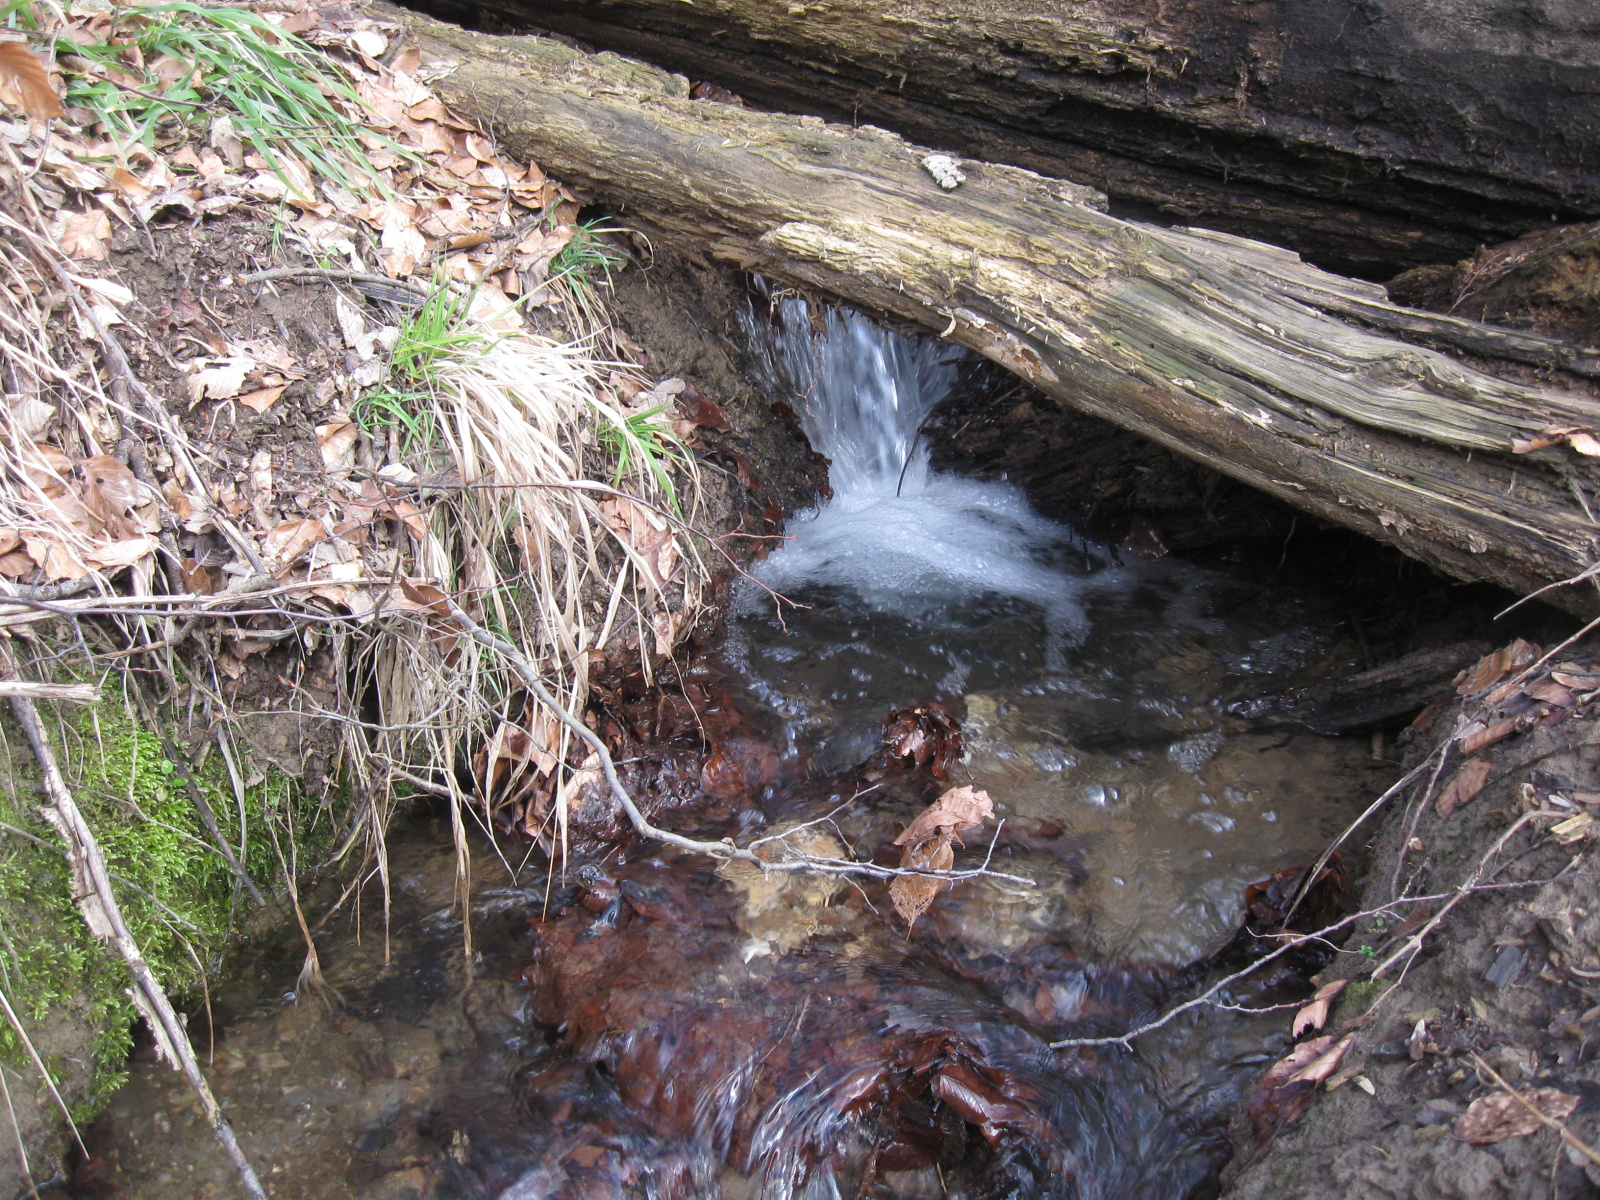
x: 903, y: 538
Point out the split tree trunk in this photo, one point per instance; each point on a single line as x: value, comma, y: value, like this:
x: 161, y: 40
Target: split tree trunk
x: 1370, y: 136
x: 1232, y: 353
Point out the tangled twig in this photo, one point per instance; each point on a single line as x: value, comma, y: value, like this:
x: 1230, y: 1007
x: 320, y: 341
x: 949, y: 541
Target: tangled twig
x: 97, y: 902
x: 725, y: 849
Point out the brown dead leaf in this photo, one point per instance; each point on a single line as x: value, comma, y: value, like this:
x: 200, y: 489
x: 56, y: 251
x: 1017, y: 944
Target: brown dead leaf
x: 425, y: 596
x: 1493, y: 1119
x: 1492, y: 668
x: 913, y: 894
x: 702, y: 411
x: 951, y: 815
x: 219, y: 378
x: 1551, y: 692
x: 109, y: 556
x: 646, y: 533
x: 262, y: 398
x: 1284, y: 1093
x: 83, y: 235
x: 198, y: 580
x: 1488, y: 736
x: 1466, y: 783
x: 15, y: 564
x: 1315, y: 1014
x: 25, y: 84
x: 336, y: 441
x: 290, y: 540
x: 926, y: 735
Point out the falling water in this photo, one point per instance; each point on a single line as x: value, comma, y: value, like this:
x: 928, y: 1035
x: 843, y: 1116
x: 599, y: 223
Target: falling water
x: 696, y: 1036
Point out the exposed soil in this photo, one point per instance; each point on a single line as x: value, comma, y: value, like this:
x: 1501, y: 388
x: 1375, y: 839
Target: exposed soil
x: 1509, y: 975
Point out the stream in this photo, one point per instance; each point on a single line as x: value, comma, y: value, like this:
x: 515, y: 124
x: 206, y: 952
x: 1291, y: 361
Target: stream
x: 651, y: 1026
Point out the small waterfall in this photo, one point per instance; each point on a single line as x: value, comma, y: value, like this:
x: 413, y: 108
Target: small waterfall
x: 901, y: 537
x: 865, y: 393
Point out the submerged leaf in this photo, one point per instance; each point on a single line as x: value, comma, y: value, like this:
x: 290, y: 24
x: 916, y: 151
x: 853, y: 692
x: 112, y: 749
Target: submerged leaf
x: 912, y: 894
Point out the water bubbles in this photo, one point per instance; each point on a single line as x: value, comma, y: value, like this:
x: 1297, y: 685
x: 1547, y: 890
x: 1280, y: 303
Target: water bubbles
x: 1193, y: 753
x: 1052, y: 759
x: 1269, y: 815
x: 1214, y: 821
x: 1100, y: 795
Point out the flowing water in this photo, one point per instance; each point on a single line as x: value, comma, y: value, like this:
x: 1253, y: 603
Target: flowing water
x: 661, y: 1029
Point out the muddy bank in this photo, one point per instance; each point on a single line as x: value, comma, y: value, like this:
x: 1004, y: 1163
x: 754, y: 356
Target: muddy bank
x: 1504, y: 983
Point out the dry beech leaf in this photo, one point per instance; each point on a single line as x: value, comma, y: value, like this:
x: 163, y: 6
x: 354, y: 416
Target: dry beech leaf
x: 1284, y: 1093
x: 125, y: 552
x: 290, y: 540
x: 1315, y: 1014
x: 1463, y: 786
x: 912, y: 894
x: 25, y: 84
x: 197, y: 580
x: 1488, y: 736
x: 1584, y: 443
x: 83, y: 235
x: 222, y: 380
x: 263, y: 398
x: 336, y: 441
x: 1492, y: 1119
x: 1492, y: 668
x: 952, y: 814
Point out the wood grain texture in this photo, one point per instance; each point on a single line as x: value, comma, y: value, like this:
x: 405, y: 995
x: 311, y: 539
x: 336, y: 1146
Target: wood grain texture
x: 1371, y: 136
x: 1233, y: 353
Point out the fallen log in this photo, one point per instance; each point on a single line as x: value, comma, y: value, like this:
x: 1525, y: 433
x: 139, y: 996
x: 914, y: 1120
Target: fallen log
x: 1370, y: 138
x: 1314, y: 388
x: 1372, y: 699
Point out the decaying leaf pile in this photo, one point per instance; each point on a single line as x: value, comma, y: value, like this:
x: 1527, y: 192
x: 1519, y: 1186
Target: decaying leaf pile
x: 465, y: 465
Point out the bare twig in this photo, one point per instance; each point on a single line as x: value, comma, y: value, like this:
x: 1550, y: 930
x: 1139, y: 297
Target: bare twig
x: 726, y: 849
x: 98, y: 905
x: 1414, y: 943
x: 78, y: 693
x: 1125, y: 1040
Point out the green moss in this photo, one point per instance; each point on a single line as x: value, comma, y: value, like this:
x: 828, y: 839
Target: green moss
x: 1358, y: 996
x: 55, y: 974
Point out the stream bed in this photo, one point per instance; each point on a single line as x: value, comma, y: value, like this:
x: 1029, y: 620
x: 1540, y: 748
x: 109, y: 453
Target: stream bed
x: 649, y: 1025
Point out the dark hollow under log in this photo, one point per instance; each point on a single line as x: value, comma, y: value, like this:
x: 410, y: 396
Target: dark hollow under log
x: 1305, y: 385
x: 1374, y: 699
x: 1371, y: 137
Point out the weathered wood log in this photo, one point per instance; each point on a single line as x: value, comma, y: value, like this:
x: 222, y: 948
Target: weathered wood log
x: 1371, y: 137
x: 1231, y: 352
x: 1366, y: 700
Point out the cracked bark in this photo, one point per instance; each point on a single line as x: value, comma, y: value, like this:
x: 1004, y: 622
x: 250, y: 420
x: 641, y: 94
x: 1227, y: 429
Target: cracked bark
x: 1233, y: 353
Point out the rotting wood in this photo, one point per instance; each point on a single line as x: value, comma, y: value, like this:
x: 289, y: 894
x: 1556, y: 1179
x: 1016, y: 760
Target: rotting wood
x: 1367, y: 699
x: 1378, y: 136
x: 1234, y: 354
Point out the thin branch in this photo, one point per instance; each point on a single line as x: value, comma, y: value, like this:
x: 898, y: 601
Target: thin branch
x: 726, y: 849
x: 1125, y: 1040
x: 1548, y: 1121
x: 98, y: 905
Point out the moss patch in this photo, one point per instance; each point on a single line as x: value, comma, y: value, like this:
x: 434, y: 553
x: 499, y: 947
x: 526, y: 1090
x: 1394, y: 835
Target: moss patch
x: 178, y: 894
